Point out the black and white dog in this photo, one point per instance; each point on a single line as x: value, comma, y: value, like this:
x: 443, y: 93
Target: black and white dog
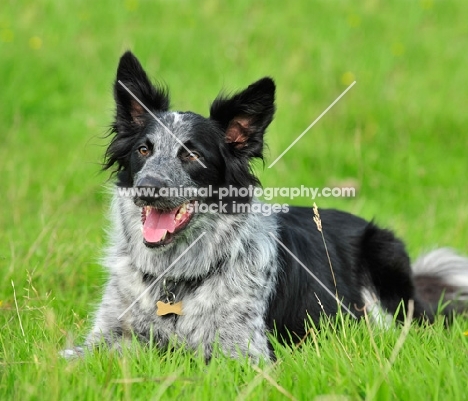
x: 177, y: 274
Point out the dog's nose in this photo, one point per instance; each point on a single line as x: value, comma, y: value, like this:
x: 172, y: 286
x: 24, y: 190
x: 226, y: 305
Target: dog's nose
x: 151, y: 181
x: 149, y: 186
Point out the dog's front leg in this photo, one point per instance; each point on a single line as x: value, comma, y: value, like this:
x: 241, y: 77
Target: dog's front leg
x: 242, y: 335
x: 234, y: 322
x: 109, y: 326
x: 111, y: 323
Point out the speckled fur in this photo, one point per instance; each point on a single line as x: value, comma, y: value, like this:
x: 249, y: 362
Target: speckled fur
x: 234, y: 262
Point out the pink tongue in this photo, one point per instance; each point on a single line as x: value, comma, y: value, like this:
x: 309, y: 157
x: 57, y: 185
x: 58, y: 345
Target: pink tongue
x: 157, y: 223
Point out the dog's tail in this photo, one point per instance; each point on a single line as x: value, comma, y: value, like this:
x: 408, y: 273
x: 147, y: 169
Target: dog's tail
x: 441, y: 278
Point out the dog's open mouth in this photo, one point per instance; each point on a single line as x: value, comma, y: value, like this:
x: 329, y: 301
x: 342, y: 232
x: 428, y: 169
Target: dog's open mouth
x: 160, y: 226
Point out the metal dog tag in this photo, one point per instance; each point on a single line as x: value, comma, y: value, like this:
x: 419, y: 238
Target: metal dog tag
x: 168, y: 308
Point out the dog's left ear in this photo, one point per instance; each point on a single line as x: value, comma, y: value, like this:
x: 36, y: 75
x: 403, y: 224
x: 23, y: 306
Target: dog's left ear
x: 132, y: 83
x: 245, y: 116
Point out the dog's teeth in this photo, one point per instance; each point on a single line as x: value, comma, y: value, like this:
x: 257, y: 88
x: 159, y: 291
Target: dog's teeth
x: 183, y: 209
x: 164, y: 236
x: 178, y: 217
x: 147, y: 210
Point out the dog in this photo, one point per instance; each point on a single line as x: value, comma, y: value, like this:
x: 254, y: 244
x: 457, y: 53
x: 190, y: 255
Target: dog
x: 182, y: 276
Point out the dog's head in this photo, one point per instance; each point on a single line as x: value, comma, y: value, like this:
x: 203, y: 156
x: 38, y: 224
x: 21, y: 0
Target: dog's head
x: 155, y: 150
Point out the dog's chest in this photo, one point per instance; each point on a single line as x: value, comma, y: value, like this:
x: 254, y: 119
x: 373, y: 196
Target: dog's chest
x: 203, y: 306
x: 206, y: 306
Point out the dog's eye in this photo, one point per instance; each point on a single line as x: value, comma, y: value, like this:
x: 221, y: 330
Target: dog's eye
x: 190, y: 156
x: 144, y: 151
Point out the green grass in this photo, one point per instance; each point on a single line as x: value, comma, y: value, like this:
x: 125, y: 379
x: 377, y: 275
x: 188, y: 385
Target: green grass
x: 400, y: 134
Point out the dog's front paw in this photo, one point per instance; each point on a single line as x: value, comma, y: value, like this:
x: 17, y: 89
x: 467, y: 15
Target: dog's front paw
x: 73, y: 353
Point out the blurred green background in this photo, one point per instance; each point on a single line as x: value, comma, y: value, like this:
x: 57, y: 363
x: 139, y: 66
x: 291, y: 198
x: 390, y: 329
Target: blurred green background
x: 399, y: 135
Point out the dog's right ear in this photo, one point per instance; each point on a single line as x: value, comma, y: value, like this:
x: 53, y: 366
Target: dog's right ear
x: 130, y: 114
x: 131, y: 84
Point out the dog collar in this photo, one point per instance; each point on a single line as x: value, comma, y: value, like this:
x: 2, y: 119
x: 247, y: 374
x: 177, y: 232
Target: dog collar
x: 167, y: 305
